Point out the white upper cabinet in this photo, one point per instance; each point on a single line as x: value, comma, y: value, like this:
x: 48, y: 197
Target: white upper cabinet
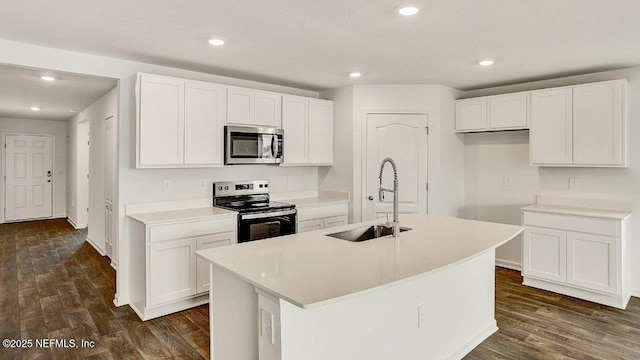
x: 508, y: 112
x: 252, y: 107
x: 268, y: 109
x: 160, y: 120
x: 308, y: 131
x: 320, y: 132
x: 240, y: 106
x: 471, y: 114
x: 492, y: 113
x: 295, y: 122
x: 204, y: 119
x: 580, y: 125
x: 179, y: 122
x: 552, y: 127
x: 598, y: 130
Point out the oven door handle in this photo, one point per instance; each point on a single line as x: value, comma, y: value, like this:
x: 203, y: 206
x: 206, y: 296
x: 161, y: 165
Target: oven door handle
x: 267, y: 214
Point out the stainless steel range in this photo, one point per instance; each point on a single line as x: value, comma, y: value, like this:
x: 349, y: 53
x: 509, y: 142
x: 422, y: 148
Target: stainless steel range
x: 258, y: 217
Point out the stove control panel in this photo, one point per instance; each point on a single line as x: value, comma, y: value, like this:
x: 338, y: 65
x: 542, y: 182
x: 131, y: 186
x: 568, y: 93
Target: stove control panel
x: 247, y: 187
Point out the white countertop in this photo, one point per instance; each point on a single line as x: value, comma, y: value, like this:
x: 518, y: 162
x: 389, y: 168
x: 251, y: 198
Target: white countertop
x: 580, y: 211
x: 311, y: 269
x: 155, y: 217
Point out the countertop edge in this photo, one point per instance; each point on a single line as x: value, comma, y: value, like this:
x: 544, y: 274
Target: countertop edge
x: 577, y: 211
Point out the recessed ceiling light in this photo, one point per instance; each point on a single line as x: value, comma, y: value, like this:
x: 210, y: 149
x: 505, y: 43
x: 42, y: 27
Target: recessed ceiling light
x: 486, y: 62
x: 47, y: 78
x: 35, y: 108
x: 355, y: 74
x: 408, y: 10
x: 216, y: 42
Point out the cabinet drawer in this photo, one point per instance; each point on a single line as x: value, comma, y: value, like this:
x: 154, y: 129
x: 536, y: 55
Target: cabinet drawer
x: 572, y: 223
x: 190, y: 229
x: 321, y: 211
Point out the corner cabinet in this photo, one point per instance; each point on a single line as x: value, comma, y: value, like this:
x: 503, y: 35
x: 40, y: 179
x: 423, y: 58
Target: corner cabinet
x: 492, y: 113
x: 579, y: 126
x: 167, y: 276
x: 579, y: 256
x: 308, y: 131
x: 179, y: 122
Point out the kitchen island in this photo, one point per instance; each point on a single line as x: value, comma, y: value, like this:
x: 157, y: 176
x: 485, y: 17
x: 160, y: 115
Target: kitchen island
x: 428, y: 294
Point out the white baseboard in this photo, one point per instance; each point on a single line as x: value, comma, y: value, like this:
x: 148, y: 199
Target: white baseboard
x: 114, y: 265
x: 76, y: 226
x: 120, y: 300
x: 95, y: 246
x: 635, y: 292
x: 509, y: 264
x: 462, y: 351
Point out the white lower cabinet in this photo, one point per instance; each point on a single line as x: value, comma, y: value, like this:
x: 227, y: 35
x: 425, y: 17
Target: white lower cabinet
x: 208, y: 242
x: 579, y: 256
x: 169, y: 277
x: 322, y: 216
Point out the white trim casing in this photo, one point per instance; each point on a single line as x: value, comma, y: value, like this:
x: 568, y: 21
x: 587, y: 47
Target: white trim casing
x: 93, y: 244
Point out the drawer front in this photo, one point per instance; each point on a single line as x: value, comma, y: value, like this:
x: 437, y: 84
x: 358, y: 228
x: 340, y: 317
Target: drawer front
x: 572, y: 223
x: 190, y: 229
x: 321, y: 211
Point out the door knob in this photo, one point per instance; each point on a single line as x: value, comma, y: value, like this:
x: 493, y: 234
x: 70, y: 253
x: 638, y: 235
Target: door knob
x: 370, y: 197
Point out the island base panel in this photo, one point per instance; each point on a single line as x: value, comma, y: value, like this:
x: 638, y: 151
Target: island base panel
x: 457, y: 314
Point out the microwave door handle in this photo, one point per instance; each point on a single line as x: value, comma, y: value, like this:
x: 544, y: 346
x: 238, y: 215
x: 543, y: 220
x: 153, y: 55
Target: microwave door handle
x: 273, y: 146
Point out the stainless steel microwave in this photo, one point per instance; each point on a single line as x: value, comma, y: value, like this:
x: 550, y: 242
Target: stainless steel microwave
x: 252, y: 145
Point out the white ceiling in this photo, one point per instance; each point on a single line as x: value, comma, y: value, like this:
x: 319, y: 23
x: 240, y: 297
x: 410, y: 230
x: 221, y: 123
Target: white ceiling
x: 22, y: 88
x: 312, y: 44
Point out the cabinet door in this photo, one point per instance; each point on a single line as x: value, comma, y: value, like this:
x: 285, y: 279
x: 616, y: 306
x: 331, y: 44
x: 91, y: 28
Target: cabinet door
x: 268, y: 109
x: 335, y: 221
x: 208, y: 242
x: 161, y: 121
x: 204, y: 118
x: 551, y: 133
x: 172, y: 270
x: 597, y: 124
x: 320, y: 132
x: 309, y: 225
x: 240, y: 106
x: 294, y: 123
x: 471, y: 114
x: 508, y: 111
x: 592, y: 262
x: 545, y: 253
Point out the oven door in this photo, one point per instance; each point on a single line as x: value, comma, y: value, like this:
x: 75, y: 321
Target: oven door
x: 256, y: 226
x: 252, y: 145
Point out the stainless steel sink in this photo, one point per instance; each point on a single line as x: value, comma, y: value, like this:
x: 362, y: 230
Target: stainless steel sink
x: 366, y: 233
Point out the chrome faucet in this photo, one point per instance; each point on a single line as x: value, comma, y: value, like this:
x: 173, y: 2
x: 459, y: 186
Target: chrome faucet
x: 395, y: 224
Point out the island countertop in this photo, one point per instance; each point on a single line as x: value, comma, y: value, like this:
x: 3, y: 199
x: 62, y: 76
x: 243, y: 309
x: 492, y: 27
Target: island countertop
x: 311, y: 269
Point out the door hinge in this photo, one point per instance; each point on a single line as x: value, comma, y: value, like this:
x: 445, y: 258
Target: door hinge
x: 427, y: 186
x: 87, y: 143
x: 427, y: 128
x: 87, y: 176
x: 87, y: 209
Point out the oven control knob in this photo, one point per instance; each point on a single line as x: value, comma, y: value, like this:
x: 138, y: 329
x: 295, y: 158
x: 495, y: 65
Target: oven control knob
x: 220, y: 188
x: 266, y: 185
x: 226, y: 188
x: 260, y: 185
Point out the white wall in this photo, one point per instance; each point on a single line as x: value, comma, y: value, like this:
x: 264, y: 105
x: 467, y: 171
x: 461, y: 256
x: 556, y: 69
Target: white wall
x: 489, y: 157
x: 146, y: 185
x: 77, y: 170
x: 59, y: 130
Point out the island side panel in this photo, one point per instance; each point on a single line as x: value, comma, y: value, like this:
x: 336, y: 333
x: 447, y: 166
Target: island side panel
x: 233, y: 311
x: 457, y: 307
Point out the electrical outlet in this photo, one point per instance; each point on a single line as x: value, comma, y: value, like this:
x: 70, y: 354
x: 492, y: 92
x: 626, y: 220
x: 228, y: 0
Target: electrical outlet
x: 421, y: 316
x: 290, y: 179
x: 266, y: 326
x: 166, y: 185
x: 203, y: 184
x: 574, y: 184
x: 507, y: 180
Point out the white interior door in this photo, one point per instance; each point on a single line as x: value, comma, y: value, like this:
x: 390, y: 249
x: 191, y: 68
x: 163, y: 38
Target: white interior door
x: 29, y: 177
x: 402, y: 137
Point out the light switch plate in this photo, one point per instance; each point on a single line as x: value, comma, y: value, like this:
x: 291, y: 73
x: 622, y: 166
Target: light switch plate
x: 574, y: 184
x: 266, y: 326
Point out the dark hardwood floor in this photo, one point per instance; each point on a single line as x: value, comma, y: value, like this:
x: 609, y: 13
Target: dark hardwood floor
x: 54, y: 285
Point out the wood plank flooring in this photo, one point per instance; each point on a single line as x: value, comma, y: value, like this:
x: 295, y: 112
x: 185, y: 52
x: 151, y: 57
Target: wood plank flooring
x: 54, y: 285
